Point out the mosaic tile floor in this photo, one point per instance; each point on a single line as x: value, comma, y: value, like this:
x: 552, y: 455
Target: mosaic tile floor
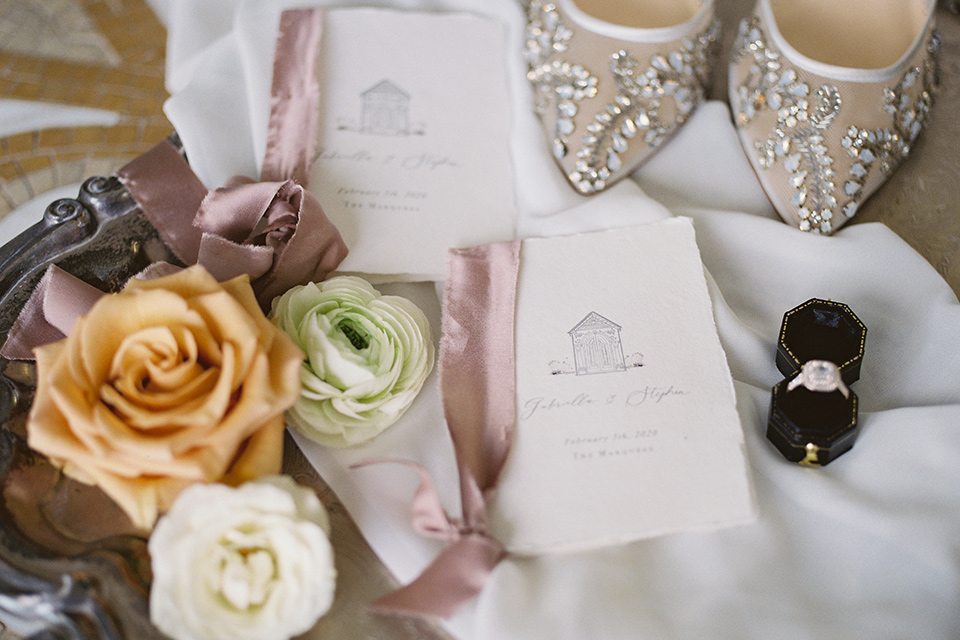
x: 87, y: 53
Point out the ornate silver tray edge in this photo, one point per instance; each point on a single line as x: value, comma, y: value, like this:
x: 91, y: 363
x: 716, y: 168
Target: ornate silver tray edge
x: 101, y: 237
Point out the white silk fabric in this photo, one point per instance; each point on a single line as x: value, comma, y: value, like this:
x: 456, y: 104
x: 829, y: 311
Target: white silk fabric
x: 867, y: 547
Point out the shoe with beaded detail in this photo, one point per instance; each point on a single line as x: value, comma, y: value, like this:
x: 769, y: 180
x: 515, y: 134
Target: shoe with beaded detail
x: 829, y: 98
x: 613, y: 81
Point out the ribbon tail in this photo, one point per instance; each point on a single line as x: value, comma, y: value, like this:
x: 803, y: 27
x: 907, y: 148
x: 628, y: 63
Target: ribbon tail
x: 477, y: 368
x: 169, y: 194
x: 426, y: 511
x: 458, y: 573
x: 295, y: 97
x: 478, y: 387
x: 456, y: 576
x: 55, y: 304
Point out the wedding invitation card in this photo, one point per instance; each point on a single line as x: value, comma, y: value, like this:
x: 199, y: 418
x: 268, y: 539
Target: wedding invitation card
x: 412, y: 155
x: 627, y: 424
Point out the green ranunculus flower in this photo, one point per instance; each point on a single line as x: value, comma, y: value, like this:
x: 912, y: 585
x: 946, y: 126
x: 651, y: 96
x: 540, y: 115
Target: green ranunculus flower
x: 367, y: 358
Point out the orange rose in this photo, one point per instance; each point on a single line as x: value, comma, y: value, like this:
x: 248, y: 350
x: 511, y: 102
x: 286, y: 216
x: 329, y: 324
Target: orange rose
x: 170, y: 382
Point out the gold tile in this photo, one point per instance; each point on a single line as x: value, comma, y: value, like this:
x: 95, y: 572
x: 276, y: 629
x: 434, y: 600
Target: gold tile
x: 27, y: 65
x: 121, y: 135
x: 60, y: 92
x: 139, y: 13
x: 125, y: 43
x: 151, y: 84
x: 10, y: 171
x: 19, y: 191
x: 34, y: 163
x: 72, y: 170
x: 57, y: 71
x: 108, y: 165
x: 108, y: 23
x: 113, y: 77
x: 143, y: 108
x: 7, y: 203
x: 86, y: 95
x: 86, y: 136
x: 113, y: 102
x: 67, y: 157
x: 43, y: 180
x: 154, y: 134
x: 22, y: 143
x: 26, y: 91
x: 56, y: 137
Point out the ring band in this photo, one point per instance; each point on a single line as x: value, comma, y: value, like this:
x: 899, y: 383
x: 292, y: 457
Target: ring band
x: 819, y: 375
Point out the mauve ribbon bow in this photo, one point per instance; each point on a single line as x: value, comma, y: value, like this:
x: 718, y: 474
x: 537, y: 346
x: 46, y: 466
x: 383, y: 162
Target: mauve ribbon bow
x: 478, y: 384
x: 276, y: 232
x: 460, y: 571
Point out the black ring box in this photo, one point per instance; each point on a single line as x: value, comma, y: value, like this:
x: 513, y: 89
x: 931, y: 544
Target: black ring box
x: 816, y: 427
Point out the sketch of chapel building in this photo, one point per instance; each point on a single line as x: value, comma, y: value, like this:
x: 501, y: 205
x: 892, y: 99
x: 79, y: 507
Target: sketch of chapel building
x: 596, y: 345
x: 386, y: 110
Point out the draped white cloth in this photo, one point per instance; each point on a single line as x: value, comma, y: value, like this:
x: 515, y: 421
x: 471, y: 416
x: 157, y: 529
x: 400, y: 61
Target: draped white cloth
x: 867, y: 547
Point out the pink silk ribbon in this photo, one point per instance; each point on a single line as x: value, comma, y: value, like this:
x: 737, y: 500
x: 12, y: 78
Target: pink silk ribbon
x: 294, y: 97
x: 478, y: 384
x: 274, y: 230
x: 49, y: 313
x: 54, y: 306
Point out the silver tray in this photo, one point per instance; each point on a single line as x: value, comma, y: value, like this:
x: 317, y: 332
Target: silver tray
x: 70, y: 566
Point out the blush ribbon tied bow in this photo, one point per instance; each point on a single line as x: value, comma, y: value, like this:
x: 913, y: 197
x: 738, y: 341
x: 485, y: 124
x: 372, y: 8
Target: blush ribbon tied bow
x: 276, y: 232
x: 478, y: 385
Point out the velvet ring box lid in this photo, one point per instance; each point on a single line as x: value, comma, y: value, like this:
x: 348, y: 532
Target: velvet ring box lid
x: 821, y: 330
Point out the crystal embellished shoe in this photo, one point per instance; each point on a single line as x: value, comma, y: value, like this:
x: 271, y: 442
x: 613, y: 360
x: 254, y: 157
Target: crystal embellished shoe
x: 614, y: 80
x: 829, y: 97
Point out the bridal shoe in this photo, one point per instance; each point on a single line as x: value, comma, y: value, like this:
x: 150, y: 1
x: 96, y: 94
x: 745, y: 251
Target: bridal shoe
x: 613, y: 80
x: 829, y: 97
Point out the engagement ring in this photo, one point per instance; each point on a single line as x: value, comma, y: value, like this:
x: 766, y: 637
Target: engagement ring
x: 820, y: 375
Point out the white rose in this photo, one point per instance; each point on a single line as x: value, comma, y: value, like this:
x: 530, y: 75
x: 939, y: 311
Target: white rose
x: 368, y: 356
x: 252, y: 562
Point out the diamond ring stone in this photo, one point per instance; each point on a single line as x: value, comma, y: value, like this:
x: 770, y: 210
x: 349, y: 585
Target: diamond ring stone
x: 821, y: 376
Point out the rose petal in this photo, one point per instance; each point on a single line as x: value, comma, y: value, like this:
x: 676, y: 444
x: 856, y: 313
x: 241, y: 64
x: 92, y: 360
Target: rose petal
x: 173, y: 381
x: 253, y: 562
